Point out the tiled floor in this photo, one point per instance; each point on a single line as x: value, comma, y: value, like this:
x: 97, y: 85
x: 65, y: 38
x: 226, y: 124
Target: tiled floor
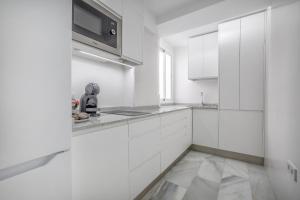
x: 200, y: 176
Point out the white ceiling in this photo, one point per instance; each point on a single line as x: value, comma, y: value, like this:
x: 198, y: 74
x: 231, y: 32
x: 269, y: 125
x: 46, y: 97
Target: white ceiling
x: 181, y: 39
x: 165, y: 10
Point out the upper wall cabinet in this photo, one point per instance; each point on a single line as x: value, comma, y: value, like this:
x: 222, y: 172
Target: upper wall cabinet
x: 242, y: 63
x: 203, y: 57
x: 133, y: 30
x: 252, y: 64
x: 229, y: 56
x: 113, y: 5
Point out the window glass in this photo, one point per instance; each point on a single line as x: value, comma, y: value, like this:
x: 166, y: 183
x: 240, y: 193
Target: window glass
x: 161, y: 75
x: 168, y: 76
x: 165, y: 76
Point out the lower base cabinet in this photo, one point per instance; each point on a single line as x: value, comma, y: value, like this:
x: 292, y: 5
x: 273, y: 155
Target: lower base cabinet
x: 38, y: 184
x: 242, y: 132
x: 100, y: 165
x: 119, y: 163
x: 206, y: 127
x: 176, y: 136
x: 142, y: 176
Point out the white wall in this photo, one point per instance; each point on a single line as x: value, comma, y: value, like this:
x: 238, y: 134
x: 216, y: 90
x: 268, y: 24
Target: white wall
x: 116, y: 83
x: 187, y: 91
x: 146, y: 75
x: 149, y: 21
x: 283, y: 101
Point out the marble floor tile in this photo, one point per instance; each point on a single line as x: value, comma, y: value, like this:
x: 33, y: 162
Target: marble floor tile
x: 235, y: 168
x: 235, y: 188
x: 168, y: 191
x: 201, y: 176
x: 154, y: 189
x: 183, y: 173
x: 202, y: 189
x: 212, y: 169
x: 196, y: 156
x: 260, y: 184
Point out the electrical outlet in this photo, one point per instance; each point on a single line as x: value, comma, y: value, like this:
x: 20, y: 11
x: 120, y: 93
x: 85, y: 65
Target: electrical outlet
x: 293, y: 170
x: 295, y: 174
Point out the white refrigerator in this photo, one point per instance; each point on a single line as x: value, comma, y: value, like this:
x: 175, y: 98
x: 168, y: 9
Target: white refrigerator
x: 35, y: 102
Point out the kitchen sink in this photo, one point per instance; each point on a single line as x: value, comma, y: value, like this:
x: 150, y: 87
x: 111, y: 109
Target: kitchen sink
x: 126, y: 112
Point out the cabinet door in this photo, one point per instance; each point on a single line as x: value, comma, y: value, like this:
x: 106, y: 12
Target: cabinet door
x: 113, y: 5
x: 144, y: 141
x: 205, y: 128
x: 196, y: 58
x: 100, y: 165
x: 211, y: 60
x: 49, y: 182
x: 229, y: 59
x: 252, y: 62
x: 174, y: 136
x: 189, y: 129
x: 133, y: 30
x: 242, y: 132
x: 142, y: 176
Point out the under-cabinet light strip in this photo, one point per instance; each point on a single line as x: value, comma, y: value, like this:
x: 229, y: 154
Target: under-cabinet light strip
x: 105, y: 59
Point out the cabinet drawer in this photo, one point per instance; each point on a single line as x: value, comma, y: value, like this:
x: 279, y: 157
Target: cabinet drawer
x: 140, y: 128
x: 141, y: 177
x: 174, y: 117
x: 174, y: 127
x: 172, y: 148
x: 143, y: 148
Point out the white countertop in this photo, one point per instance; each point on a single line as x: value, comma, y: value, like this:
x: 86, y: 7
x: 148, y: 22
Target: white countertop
x: 110, y: 119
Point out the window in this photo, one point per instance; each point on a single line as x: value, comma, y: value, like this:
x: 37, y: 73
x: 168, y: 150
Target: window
x: 165, y: 76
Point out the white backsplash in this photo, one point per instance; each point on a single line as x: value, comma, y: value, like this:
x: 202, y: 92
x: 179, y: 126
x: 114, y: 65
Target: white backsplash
x: 187, y: 91
x: 116, y: 83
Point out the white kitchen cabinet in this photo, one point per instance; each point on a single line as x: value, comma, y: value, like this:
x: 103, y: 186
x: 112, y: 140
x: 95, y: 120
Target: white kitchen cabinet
x: 203, y: 56
x: 175, y: 136
x: 206, y: 128
x: 144, y: 141
x: 242, y: 63
x: 211, y: 55
x: 142, y: 176
x: 48, y: 182
x: 242, y: 132
x: 196, y: 58
x: 133, y: 30
x: 100, y: 165
x: 116, y: 6
x: 229, y: 61
x: 252, y: 62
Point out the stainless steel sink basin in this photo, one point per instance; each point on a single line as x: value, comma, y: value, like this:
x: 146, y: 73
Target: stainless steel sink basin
x: 126, y: 112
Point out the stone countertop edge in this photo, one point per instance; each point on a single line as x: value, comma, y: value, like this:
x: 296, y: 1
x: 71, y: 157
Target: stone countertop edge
x: 197, y: 106
x: 91, y: 126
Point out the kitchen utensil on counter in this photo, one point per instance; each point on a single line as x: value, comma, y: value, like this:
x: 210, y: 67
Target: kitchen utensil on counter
x: 80, y: 117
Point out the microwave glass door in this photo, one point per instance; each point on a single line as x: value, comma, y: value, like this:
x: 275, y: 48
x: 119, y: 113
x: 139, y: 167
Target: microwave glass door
x: 92, y: 23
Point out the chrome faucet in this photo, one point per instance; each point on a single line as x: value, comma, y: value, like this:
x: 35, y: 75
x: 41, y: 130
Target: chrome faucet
x: 202, y: 98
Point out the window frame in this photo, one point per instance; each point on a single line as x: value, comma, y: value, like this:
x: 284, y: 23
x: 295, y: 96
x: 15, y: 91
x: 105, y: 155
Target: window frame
x: 165, y: 100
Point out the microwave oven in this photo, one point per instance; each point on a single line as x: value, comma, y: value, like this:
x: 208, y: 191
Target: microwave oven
x: 96, y: 26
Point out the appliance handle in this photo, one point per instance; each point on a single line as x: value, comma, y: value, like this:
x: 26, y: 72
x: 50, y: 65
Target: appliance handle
x: 10, y: 172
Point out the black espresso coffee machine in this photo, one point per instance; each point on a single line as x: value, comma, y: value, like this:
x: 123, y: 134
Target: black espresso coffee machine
x: 89, y: 101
